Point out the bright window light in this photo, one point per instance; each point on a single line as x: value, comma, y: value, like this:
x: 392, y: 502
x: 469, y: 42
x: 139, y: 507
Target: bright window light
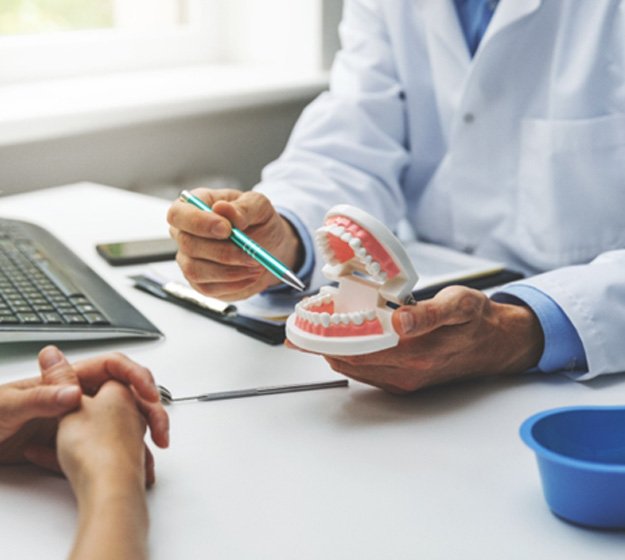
x: 19, y: 17
x: 52, y: 39
x: 27, y: 17
x: 59, y: 39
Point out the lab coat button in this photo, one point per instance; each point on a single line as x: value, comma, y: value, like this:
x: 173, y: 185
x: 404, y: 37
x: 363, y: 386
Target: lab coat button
x: 468, y: 118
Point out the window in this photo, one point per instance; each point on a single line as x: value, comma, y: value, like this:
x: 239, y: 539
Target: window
x: 48, y: 39
x: 60, y: 38
x: 19, y: 17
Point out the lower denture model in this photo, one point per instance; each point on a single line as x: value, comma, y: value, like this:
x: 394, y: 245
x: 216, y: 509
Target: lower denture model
x: 371, y: 268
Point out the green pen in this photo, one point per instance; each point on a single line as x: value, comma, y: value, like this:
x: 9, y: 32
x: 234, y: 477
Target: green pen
x: 253, y: 249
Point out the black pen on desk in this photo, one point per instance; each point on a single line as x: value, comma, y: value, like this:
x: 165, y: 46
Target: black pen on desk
x: 253, y: 249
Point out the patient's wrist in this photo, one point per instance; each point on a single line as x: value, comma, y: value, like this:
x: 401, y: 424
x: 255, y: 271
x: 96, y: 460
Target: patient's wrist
x: 96, y: 484
x: 108, y: 483
x: 113, y: 517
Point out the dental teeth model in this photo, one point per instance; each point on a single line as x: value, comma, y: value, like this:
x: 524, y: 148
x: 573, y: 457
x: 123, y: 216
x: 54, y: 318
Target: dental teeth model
x: 371, y: 268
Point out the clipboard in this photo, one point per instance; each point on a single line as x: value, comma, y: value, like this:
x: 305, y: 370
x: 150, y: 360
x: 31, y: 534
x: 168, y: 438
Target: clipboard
x: 269, y: 332
x: 483, y: 282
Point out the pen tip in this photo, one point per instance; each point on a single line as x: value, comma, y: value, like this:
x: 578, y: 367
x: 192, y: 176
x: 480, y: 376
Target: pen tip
x: 294, y: 282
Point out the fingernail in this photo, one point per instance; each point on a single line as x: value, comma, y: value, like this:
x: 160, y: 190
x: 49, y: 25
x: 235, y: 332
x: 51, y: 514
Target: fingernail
x: 219, y: 229
x: 68, y: 396
x: 49, y: 357
x: 406, y: 321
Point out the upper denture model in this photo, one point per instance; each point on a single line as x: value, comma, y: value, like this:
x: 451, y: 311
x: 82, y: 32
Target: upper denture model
x: 371, y: 268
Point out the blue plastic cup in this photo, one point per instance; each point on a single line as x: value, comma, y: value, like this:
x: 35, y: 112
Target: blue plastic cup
x: 581, y: 458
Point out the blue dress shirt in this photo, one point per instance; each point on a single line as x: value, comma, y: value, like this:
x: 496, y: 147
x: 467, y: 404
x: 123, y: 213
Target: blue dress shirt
x: 563, y: 348
x: 474, y: 18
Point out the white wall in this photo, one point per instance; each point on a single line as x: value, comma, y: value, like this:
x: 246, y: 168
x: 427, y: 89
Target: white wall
x: 235, y: 144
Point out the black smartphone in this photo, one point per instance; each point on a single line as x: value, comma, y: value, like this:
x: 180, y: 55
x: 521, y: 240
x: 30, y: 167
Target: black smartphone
x: 136, y: 252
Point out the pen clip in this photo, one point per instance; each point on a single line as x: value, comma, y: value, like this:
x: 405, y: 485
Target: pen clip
x: 206, y: 302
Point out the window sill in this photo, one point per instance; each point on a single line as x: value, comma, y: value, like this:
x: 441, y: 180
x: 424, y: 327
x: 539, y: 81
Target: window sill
x: 53, y: 109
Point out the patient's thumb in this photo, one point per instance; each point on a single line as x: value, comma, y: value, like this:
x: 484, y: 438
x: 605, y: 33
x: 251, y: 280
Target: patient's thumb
x: 55, y: 369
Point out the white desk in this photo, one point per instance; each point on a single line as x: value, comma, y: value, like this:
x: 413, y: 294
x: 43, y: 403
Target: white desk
x: 343, y: 473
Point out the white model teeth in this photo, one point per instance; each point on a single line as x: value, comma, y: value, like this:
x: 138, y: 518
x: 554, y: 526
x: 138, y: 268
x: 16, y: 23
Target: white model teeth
x: 322, y: 239
x: 326, y: 319
x: 372, y: 267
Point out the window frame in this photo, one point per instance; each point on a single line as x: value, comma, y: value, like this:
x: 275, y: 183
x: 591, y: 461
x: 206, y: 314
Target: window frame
x: 78, y: 53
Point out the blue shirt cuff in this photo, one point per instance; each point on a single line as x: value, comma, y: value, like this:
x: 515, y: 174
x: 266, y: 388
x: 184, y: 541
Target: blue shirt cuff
x: 563, y: 349
x: 308, y: 266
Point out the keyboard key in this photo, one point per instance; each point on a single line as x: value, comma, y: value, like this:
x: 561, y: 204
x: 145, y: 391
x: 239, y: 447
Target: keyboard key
x: 86, y: 308
x: 74, y: 319
x: 96, y: 319
x: 8, y: 320
x: 52, y: 318
x: 44, y: 307
x: 28, y: 318
x: 37, y: 300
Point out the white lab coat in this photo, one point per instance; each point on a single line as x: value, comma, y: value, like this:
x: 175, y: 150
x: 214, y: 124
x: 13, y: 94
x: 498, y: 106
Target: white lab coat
x: 517, y: 154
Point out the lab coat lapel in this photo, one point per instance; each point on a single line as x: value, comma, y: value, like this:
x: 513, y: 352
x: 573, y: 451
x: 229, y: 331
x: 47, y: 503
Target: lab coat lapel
x: 450, y: 59
x: 507, y: 13
x: 443, y: 29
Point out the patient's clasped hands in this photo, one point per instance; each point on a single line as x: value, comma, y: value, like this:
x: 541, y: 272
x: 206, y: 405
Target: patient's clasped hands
x: 32, y: 411
x: 88, y: 420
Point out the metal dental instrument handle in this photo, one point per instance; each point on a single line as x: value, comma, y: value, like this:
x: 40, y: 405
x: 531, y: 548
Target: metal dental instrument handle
x: 168, y: 398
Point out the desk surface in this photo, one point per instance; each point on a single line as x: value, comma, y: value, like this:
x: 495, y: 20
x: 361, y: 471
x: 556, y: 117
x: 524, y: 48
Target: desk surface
x: 342, y: 473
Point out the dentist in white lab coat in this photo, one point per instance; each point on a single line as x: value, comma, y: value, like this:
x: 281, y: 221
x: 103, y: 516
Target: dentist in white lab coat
x: 496, y: 128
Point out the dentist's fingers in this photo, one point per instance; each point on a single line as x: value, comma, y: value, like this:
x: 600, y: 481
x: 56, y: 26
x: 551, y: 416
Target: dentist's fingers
x: 186, y: 217
x: 250, y: 209
x: 455, y: 305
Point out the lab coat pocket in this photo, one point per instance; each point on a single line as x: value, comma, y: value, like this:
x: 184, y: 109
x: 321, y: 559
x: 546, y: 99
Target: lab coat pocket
x: 572, y: 189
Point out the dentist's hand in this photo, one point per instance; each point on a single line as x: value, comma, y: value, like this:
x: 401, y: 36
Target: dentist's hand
x: 458, y: 334
x: 215, y: 266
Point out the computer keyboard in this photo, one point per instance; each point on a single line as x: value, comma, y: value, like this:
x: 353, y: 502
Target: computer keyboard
x: 48, y: 293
